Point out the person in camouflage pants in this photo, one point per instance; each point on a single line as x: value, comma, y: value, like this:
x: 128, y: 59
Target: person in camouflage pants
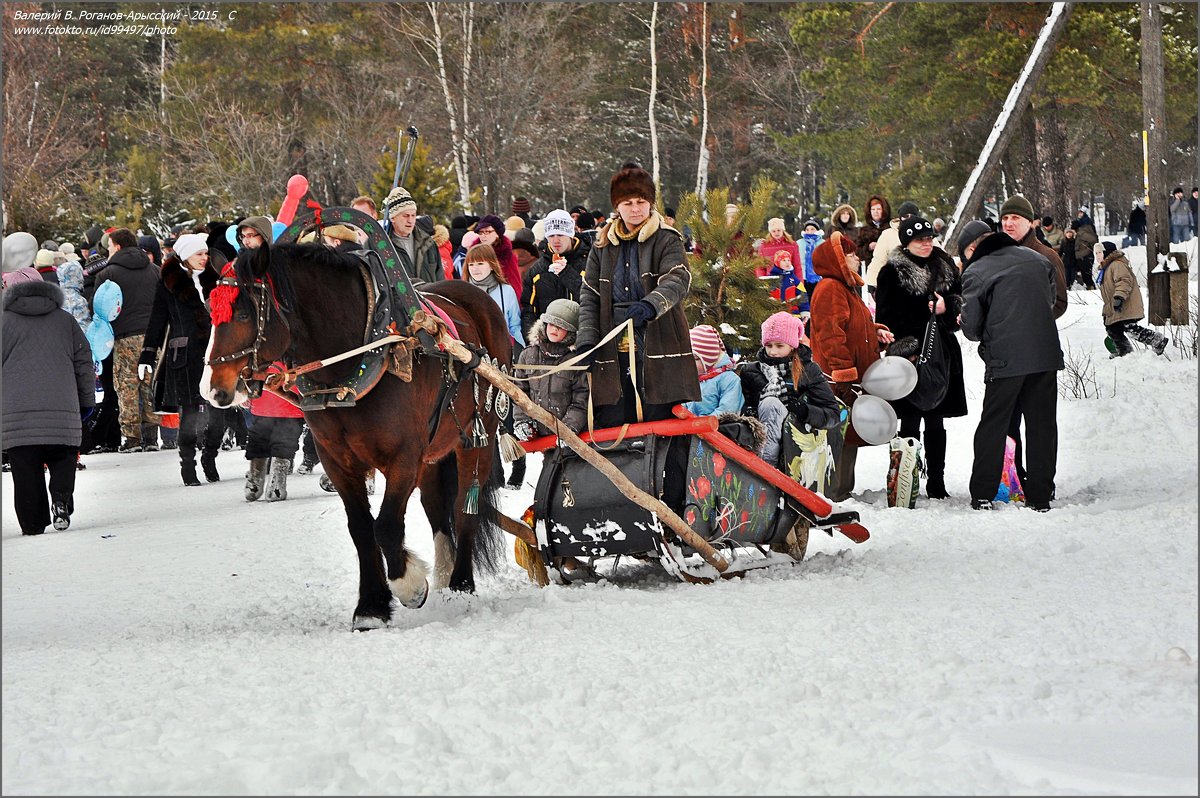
x: 134, y: 397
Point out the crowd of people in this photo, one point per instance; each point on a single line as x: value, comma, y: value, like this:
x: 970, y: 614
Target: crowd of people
x: 603, y: 289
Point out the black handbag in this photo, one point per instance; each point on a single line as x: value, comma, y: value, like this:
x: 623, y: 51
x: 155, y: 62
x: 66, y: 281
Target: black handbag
x: 933, y: 372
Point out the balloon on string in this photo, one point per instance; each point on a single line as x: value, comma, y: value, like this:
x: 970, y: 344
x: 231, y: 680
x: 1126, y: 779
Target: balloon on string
x: 276, y: 229
x: 231, y: 235
x: 890, y: 377
x: 874, y: 419
x: 297, y: 187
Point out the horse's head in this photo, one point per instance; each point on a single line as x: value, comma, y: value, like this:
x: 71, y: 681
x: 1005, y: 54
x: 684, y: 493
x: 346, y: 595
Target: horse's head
x: 249, y: 330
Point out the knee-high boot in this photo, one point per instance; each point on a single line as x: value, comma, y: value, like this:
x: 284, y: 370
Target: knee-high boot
x: 187, y: 465
x: 256, y: 478
x: 277, y: 488
x: 935, y: 463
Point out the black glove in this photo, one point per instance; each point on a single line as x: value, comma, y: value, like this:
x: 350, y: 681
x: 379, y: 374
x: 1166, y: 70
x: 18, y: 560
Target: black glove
x: 85, y: 413
x: 1118, y: 303
x: 753, y: 381
x: 799, y: 411
x: 641, y: 312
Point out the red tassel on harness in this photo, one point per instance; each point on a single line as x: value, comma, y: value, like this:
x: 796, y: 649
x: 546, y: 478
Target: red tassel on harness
x: 220, y: 301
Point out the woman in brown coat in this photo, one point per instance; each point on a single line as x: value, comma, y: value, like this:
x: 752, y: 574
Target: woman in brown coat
x: 637, y: 271
x: 845, y: 339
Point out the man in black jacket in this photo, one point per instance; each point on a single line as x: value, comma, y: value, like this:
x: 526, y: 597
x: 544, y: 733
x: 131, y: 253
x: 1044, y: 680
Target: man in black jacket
x: 130, y: 268
x: 558, y: 272
x: 1008, y: 306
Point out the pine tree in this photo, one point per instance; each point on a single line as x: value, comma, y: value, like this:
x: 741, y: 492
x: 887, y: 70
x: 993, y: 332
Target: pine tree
x: 725, y: 291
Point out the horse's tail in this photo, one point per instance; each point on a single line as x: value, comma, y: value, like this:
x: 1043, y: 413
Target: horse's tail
x: 488, y: 551
x: 490, y: 537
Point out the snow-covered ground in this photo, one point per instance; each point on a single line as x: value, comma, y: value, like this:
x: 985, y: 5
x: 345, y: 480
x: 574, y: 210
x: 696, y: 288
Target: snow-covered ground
x: 179, y: 641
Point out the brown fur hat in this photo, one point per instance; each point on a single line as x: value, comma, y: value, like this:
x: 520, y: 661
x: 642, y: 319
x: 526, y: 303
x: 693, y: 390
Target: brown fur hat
x: 631, y: 182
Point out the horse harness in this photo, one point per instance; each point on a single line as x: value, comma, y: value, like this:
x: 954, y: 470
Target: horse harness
x: 389, y: 344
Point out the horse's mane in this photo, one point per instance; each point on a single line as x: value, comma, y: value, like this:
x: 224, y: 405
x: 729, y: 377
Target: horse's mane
x: 280, y: 261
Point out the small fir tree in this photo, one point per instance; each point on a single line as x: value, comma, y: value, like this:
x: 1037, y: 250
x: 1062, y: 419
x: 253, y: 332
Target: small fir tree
x: 726, y: 293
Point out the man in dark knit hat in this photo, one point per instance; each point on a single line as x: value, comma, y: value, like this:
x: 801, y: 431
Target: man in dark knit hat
x: 1008, y: 306
x: 1016, y: 220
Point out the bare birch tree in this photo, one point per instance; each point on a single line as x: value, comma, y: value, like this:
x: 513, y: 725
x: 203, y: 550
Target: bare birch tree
x: 654, y: 95
x: 702, y: 166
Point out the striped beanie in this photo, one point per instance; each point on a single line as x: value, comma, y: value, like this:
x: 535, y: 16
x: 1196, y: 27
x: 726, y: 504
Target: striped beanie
x: 706, y: 345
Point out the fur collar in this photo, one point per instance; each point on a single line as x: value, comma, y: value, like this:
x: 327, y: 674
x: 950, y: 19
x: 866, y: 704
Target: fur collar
x: 655, y: 222
x: 1113, y: 257
x: 537, y: 337
x: 35, y: 289
x: 179, y: 283
x: 991, y: 243
x: 920, y: 278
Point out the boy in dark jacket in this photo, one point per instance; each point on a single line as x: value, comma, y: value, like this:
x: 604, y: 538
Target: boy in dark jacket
x: 564, y: 393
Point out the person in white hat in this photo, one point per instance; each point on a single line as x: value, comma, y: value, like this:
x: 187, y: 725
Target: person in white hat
x: 558, y: 271
x: 178, y: 359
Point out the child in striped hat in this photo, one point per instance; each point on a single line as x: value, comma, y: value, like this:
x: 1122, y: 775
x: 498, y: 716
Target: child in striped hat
x: 720, y: 387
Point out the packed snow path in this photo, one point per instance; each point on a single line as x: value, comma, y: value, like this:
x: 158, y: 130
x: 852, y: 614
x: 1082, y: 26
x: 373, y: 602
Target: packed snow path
x: 178, y: 640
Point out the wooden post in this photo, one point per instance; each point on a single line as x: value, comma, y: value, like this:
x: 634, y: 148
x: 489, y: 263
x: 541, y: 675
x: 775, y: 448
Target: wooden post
x: 594, y: 458
x: 1178, y: 289
x: 1154, y: 120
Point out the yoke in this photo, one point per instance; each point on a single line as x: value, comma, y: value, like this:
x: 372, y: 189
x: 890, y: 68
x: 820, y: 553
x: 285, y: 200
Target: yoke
x: 392, y: 302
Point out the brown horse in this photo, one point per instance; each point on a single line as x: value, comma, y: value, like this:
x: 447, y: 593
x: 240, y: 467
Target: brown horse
x: 306, y: 302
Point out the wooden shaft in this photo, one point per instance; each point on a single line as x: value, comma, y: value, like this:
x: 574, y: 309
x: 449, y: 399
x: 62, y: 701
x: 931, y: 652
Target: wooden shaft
x: 594, y: 458
x: 813, y: 501
x: 667, y: 427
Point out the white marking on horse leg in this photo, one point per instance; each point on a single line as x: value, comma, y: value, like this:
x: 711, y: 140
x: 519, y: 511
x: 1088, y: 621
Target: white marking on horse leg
x: 412, y: 588
x: 365, y: 623
x: 443, y: 560
x: 206, y: 376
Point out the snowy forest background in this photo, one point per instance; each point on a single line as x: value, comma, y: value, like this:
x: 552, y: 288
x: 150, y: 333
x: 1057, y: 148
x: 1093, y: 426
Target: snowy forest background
x: 831, y: 102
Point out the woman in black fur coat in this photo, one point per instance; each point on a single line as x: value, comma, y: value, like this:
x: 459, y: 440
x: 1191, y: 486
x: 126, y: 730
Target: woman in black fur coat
x: 917, y: 276
x: 175, y: 342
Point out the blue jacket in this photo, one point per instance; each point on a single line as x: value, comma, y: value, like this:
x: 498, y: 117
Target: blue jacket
x: 720, y: 390
x: 810, y: 241
x: 790, y: 288
x: 504, y: 296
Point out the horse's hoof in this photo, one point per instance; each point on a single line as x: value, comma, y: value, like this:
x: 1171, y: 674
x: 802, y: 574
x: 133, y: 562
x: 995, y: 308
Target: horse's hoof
x: 365, y: 623
x: 417, y: 600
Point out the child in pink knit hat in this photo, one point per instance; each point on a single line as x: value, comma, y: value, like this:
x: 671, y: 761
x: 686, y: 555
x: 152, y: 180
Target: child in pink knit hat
x: 784, y: 382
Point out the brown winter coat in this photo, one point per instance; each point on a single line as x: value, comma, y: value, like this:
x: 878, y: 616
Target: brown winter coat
x: 1060, y: 273
x: 1120, y: 281
x: 670, y: 372
x: 844, y: 336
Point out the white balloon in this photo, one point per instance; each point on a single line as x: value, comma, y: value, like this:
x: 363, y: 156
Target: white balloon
x: 874, y: 419
x: 890, y: 377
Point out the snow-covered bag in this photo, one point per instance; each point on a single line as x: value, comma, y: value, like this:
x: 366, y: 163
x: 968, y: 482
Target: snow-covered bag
x: 106, y: 306
x: 903, y: 480
x: 1010, y: 482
